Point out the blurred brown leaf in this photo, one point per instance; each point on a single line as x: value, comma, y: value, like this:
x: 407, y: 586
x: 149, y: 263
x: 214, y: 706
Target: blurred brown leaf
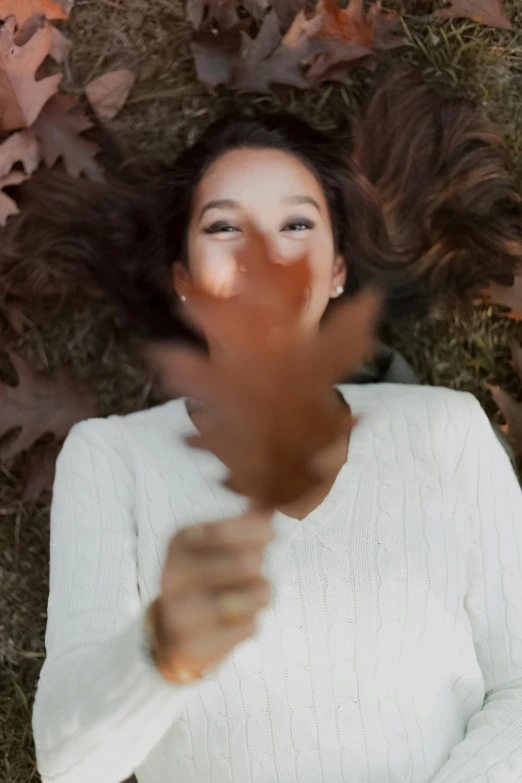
x: 490, y: 12
x: 21, y: 96
x: 269, y: 404
x: 40, y: 405
x: 57, y: 130
x: 107, y: 94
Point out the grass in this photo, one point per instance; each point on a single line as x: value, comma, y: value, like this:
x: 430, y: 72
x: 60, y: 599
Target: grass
x: 166, y: 110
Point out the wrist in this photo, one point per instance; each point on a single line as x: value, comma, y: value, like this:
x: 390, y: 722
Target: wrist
x: 175, y: 672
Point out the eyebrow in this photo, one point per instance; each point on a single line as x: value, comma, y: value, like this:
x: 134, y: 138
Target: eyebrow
x: 220, y: 203
x: 228, y: 203
x: 302, y: 200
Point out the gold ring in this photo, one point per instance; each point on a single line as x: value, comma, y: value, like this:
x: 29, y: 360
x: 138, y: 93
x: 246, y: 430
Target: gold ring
x: 232, y: 607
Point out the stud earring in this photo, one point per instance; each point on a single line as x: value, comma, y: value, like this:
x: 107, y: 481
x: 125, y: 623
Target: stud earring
x: 339, y: 289
x: 183, y: 298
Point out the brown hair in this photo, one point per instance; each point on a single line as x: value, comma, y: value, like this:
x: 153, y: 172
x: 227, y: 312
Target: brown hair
x: 422, y: 203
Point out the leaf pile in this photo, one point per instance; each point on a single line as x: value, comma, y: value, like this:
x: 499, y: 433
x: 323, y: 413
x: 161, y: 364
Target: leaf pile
x: 296, y: 43
x: 269, y: 409
x: 47, y: 125
x: 42, y: 126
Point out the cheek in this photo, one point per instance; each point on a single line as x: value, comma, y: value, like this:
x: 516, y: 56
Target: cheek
x: 211, y: 263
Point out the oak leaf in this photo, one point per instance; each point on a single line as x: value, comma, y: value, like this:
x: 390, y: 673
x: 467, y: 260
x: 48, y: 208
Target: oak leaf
x: 107, y: 94
x: 489, y: 12
x: 510, y: 408
x: 233, y: 57
x: 24, y: 9
x: 270, y: 410
x: 39, y: 406
x: 21, y: 96
x: 352, y: 34
x: 8, y: 206
x: 58, y: 132
x: 21, y: 147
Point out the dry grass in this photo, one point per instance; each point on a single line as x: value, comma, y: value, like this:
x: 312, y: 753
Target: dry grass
x: 166, y: 110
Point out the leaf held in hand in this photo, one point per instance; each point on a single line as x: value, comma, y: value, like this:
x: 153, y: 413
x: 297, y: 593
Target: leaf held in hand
x: 58, y: 132
x: 107, y: 94
x: 21, y: 96
x: 489, y: 12
x: 38, y: 406
x: 24, y: 9
x: 9, y: 207
x: 269, y: 406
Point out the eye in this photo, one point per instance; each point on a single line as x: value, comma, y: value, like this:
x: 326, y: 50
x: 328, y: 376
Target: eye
x: 298, y: 225
x: 220, y: 227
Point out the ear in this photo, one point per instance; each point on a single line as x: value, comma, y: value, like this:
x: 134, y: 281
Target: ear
x: 338, y: 276
x: 180, y: 277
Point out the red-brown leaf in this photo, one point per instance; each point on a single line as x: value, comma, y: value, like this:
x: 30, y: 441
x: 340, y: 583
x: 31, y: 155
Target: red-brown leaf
x: 107, y: 94
x: 352, y: 34
x: 38, y: 406
x: 58, y: 131
x: 21, y: 96
x: 24, y: 9
x: 489, y: 12
x: 270, y: 408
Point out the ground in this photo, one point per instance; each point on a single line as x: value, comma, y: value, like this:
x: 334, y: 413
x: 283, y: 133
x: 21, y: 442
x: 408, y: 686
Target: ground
x: 166, y: 110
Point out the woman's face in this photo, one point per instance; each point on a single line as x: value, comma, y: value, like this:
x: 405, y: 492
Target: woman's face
x: 267, y: 191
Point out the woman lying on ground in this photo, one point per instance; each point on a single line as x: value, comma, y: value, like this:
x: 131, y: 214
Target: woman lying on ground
x: 371, y: 632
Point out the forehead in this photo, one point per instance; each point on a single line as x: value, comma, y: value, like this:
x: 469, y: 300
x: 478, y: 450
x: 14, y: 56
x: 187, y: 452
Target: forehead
x: 245, y: 175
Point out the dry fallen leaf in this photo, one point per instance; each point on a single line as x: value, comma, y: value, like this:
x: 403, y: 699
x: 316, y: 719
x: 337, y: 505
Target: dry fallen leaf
x: 352, y: 34
x: 38, y: 470
x: 108, y: 93
x: 490, y: 12
x: 510, y: 408
x: 38, y: 406
x: 244, y: 63
x: 270, y: 407
x: 9, y: 207
x: 21, y: 96
x: 58, y: 132
x: 223, y: 13
x: 21, y: 147
x: 269, y: 59
x: 24, y: 9
x: 507, y: 296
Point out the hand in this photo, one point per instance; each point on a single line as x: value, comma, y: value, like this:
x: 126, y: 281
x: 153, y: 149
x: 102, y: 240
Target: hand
x: 211, y: 590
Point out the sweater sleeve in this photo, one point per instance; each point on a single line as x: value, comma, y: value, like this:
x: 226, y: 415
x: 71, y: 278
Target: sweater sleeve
x: 100, y: 706
x: 491, y: 751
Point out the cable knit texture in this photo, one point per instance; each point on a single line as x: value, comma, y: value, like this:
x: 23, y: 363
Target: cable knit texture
x: 391, y: 651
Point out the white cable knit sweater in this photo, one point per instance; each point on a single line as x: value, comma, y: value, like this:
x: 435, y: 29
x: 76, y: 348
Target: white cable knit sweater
x: 391, y: 652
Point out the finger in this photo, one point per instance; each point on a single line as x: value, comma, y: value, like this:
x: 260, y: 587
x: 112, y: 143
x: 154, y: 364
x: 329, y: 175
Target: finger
x: 212, y: 570
x: 191, y: 615
x: 247, y: 530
